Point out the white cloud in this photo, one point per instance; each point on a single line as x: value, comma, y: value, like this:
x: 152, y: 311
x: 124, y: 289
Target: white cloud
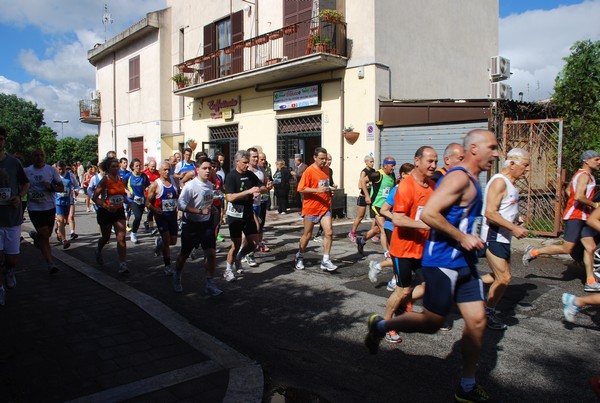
x: 537, y: 41
x: 62, y: 75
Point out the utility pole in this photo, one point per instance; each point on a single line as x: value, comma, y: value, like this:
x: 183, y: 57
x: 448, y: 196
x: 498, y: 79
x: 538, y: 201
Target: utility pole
x: 62, y: 127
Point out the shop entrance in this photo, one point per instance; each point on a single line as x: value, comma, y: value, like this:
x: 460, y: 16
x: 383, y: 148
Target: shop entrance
x: 223, y: 139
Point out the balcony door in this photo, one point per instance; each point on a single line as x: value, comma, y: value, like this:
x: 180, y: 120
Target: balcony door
x: 220, y: 35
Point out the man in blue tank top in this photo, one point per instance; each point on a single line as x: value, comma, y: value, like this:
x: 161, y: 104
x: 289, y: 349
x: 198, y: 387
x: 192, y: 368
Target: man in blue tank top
x: 454, y: 214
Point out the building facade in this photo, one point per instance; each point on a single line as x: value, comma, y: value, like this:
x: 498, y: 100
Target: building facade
x: 286, y: 75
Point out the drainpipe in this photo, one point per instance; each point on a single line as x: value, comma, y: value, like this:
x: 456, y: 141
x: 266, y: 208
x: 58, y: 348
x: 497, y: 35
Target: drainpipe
x: 114, y: 101
x: 340, y: 131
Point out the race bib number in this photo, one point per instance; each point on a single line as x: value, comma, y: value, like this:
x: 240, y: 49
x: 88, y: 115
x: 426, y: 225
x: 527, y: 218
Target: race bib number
x: 385, y: 192
x: 419, y: 211
x: 476, y: 229
x: 5, y: 195
x: 217, y: 194
x: 116, y: 200
x: 169, y: 205
x: 324, y: 183
x: 37, y: 196
x: 62, y: 195
x: 235, y: 211
x: 138, y: 199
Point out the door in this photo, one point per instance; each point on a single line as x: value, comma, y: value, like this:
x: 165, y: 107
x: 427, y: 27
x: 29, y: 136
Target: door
x: 137, y: 148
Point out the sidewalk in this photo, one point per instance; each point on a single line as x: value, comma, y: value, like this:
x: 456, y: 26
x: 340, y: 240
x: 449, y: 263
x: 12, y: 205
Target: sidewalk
x: 83, y: 335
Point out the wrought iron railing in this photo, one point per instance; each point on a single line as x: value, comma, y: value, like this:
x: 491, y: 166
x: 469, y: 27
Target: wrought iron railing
x: 89, y: 108
x: 290, y: 42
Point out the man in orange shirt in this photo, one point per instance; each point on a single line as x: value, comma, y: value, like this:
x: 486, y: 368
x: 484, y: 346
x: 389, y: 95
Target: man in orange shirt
x: 410, y: 233
x: 316, y: 208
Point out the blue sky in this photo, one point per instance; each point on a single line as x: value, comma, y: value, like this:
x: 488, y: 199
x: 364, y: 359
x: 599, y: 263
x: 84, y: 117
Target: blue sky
x: 44, y: 47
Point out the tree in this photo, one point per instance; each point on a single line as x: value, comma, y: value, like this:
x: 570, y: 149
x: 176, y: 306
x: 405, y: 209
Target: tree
x: 22, y: 120
x: 87, y: 149
x: 65, y: 151
x: 577, y: 98
x: 47, y: 142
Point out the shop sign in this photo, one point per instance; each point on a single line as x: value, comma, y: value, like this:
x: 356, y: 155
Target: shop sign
x: 295, y: 98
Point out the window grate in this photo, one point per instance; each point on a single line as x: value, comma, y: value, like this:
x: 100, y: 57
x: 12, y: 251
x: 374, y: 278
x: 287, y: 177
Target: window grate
x: 224, y: 132
x: 307, y: 126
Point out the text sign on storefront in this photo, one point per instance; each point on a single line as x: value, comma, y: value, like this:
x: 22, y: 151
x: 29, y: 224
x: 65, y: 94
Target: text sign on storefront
x: 296, y: 98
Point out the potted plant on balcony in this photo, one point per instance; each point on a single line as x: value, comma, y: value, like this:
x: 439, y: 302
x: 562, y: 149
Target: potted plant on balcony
x: 320, y: 43
x: 332, y: 16
x: 181, y: 80
x: 350, y: 135
x: 84, y: 111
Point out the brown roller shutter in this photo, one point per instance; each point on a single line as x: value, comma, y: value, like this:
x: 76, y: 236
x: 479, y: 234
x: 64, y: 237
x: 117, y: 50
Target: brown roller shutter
x: 137, y: 148
x: 294, y: 45
x: 210, y: 66
x: 237, y: 35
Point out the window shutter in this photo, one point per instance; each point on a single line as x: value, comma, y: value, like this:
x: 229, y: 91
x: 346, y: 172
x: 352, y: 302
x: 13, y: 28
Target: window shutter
x: 294, y: 45
x: 237, y: 35
x: 209, y: 47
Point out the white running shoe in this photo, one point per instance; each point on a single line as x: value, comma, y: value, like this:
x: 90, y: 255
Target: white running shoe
x: 168, y: 270
x: 229, y: 276
x: 212, y: 289
x: 299, y: 263
x: 374, y: 271
x: 328, y: 265
x: 391, y: 286
x: 123, y: 269
x: 177, y: 287
x: 134, y: 238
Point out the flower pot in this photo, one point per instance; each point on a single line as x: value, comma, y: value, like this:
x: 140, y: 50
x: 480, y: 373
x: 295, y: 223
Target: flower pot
x: 351, y: 137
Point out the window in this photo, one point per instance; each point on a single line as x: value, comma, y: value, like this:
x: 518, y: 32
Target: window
x: 134, y: 73
x: 223, y: 36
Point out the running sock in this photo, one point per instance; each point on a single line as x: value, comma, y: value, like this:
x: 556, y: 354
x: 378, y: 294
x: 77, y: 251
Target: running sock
x: 229, y: 267
x: 534, y: 253
x: 467, y: 384
x: 590, y: 280
x: 326, y: 258
x: 298, y: 255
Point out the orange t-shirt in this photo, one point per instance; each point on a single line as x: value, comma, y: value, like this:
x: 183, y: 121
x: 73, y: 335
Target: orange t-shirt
x: 409, y: 199
x: 315, y: 203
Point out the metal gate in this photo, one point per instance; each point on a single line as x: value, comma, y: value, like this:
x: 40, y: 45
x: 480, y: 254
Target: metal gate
x: 541, y: 201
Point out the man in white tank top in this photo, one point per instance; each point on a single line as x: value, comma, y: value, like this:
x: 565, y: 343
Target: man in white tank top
x: 501, y: 211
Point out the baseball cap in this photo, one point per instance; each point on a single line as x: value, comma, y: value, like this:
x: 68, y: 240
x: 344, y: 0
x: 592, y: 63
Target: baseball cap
x: 589, y: 154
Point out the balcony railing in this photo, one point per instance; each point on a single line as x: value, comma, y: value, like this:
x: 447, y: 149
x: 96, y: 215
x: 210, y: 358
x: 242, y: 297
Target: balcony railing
x: 89, y: 110
x: 278, y: 46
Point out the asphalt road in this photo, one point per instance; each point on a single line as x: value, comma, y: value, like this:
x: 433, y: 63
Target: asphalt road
x: 306, y: 328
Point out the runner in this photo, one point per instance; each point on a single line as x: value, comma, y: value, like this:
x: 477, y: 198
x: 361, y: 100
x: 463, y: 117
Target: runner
x: 281, y: 186
x: 13, y: 186
x: 44, y: 182
x: 64, y: 201
x: 195, y: 202
x: 361, y: 204
x: 579, y: 207
x: 136, y: 186
x: 316, y: 208
x: 90, y: 173
x: 449, y: 262
x: 162, y: 201
x: 124, y: 174
x: 241, y: 188
x: 410, y: 233
x: 265, y: 201
x: 109, y: 196
x: 152, y: 174
x: 387, y: 211
x: 501, y: 210
x: 381, y: 182
x: 453, y: 155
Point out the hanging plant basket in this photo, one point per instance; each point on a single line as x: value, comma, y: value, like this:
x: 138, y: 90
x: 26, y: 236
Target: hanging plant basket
x: 351, y: 136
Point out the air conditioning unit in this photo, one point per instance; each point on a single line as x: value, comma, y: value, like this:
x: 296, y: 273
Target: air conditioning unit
x: 499, y: 68
x: 95, y: 95
x: 500, y: 91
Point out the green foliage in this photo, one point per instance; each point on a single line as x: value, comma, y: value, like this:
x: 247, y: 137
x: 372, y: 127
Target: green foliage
x: 65, y: 151
x: 22, y: 120
x: 87, y: 149
x: 47, y: 142
x: 577, y: 98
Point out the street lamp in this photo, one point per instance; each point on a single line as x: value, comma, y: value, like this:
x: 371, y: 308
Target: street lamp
x: 62, y: 126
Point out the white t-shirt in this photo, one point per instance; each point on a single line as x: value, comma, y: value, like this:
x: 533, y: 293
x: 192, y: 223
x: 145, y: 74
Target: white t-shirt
x: 260, y: 174
x: 39, y: 198
x: 199, y: 195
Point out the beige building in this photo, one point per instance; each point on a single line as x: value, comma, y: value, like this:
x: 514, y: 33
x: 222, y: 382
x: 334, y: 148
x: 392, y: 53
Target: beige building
x: 285, y: 75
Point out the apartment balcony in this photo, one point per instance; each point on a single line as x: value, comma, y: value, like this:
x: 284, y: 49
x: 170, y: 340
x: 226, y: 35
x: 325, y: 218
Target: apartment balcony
x: 89, y: 111
x: 305, y: 48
